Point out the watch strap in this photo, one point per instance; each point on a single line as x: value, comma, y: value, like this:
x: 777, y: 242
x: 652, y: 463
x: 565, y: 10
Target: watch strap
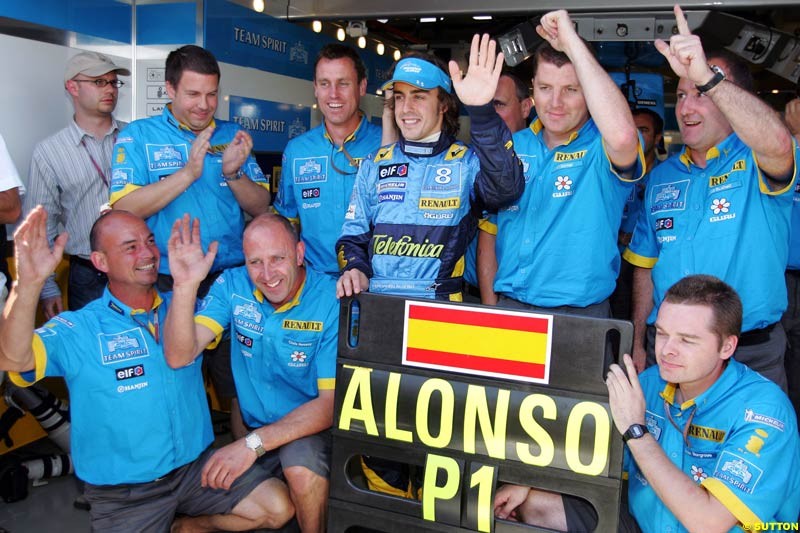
x: 635, y: 431
x: 713, y: 82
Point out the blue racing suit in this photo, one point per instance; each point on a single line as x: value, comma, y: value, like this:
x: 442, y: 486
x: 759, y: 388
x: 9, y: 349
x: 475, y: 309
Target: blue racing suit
x: 415, y: 207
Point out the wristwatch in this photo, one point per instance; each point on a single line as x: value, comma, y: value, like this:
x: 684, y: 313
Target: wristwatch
x: 719, y: 75
x: 636, y: 431
x: 235, y: 177
x: 253, y: 442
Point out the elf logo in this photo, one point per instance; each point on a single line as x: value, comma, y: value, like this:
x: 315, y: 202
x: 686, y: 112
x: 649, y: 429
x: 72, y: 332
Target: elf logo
x: 129, y: 372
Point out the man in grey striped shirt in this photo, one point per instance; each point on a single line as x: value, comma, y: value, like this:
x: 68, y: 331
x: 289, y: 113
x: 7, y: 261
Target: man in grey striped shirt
x: 71, y: 170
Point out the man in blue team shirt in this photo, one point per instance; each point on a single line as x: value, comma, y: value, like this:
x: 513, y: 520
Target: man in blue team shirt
x: 141, y: 431
x: 710, y: 443
x: 283, y: 319
x: 320, y: 166
x: 706, y: 208
x: 186, y: 161
x: 557, y: 245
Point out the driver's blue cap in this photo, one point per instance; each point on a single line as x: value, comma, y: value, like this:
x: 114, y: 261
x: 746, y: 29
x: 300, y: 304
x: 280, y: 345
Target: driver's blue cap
x: 419, y: 73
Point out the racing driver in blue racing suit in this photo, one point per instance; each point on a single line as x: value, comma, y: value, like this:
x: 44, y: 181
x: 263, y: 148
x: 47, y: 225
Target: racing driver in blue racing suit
x: 415, y: 205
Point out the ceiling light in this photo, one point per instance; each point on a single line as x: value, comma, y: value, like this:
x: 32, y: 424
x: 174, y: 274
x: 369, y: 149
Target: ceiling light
x: 397, y: 55
x: 258, y: 5
x: 340, y: 34
x: 316, y: 26
x: 383, y: 21
x: 380, y: 49
x: 482, y: 17
x: 427, y: 19
x: 362, y: 42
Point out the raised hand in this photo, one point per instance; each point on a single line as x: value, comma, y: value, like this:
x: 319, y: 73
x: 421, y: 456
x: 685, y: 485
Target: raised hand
x: 236, y: 153
x: 35, y: 260
x: 556, y: 28
x: 480, y: 83
x: 187, y: 262
x: 684, y: 52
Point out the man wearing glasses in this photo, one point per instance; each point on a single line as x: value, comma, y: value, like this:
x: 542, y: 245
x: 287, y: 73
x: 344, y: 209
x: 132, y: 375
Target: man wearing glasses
x: 71, y: 171
x: 320, y: 166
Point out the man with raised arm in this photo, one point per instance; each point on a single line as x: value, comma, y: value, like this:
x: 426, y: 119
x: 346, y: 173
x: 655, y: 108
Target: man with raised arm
x: 557, y: 245
x: 707, y: 207
x: 415, y: 205
x: 141, y: 431
x: 283, y: 320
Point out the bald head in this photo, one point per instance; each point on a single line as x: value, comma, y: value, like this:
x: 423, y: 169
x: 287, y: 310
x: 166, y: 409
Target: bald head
x: 271, y: 220
x: 109, y: 220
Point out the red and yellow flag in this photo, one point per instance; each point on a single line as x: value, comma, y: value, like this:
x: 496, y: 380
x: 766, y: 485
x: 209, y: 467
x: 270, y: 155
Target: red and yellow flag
x: 478, y: 341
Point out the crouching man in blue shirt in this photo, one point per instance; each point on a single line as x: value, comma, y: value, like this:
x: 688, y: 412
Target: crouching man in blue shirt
x: 141, y: 431
x: 284, y: 321
x: 710, y: 444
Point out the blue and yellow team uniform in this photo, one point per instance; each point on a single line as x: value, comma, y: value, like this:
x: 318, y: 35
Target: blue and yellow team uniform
x: 741, y: 445
x: 415, y: 207
x: 557, y: 245
x: 151, y: 149
x: 281, y: 358
x: 711, y: 221
x: 134, y: 419
x: 316, y: 183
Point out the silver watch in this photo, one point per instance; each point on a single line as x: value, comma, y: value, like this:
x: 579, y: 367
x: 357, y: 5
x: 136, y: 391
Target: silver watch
x: 253, y: 442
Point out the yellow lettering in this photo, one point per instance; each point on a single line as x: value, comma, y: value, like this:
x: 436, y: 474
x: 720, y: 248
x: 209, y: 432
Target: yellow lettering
x: 602, y: 433
x: 359, y: 388
x: 482, y: 478
x: 535, y: 431
x: 431, y: 491
x: 445, y: 389
x: 476, y: 407
x: 392, y: 392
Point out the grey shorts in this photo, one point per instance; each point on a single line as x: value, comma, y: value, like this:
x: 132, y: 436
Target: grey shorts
x: 151, y: 507
x: 312, y: 452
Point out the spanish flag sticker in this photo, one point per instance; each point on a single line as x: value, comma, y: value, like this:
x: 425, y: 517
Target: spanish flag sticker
x: 485, y: 342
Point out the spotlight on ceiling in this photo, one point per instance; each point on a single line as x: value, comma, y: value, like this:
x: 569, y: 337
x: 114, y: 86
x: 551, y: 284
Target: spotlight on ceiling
x: 316, y: 26
x: 340, y: 34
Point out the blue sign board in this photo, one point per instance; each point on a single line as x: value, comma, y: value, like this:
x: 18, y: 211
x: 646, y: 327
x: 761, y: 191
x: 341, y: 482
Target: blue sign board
x: 271, y: 124
x: 240, y: 36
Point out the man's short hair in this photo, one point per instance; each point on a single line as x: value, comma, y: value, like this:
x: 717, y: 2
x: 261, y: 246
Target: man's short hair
x: 274, y: 218
x: 193, y: 58
x: 658, y: 122
x: 721, y: 298
x: 736, y: 69
x: 97, y: 227
x: 520, y: 88
x: 450, y: 125
x: 545, y: 53
x: 333, y: 51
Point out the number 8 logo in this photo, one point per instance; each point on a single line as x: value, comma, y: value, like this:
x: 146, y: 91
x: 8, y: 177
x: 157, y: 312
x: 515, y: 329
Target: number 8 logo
x: 443, y: 175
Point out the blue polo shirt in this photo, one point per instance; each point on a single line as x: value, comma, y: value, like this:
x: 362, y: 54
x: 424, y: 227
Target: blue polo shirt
x: 317, y: 180
x: 151, y: 149
x: 723, y: 220
x: 557, y: 245
x: 281, y: 358
x: 134, y: 418
x: 743, y: 448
